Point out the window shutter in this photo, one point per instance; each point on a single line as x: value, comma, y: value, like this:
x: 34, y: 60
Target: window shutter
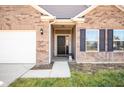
x: 110, y: 40
x: 82, y: 39
x: 102, y: 40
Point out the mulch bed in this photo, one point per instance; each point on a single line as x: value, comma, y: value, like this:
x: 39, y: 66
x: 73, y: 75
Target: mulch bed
x: 92, y: 68
x: 42, y: 66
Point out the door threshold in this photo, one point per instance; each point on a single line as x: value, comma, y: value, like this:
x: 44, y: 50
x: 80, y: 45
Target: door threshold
x: 60, y: 58
x: 62, y: 55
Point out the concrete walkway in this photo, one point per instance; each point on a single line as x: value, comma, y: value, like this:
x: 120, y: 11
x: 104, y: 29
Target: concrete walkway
x: 59, y: 70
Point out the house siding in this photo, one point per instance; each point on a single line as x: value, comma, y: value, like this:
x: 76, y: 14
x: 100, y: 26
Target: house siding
x: 102, y: 17
x: 24, y: 17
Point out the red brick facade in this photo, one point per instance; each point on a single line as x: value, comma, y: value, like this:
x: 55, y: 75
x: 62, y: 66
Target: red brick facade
x: 27, y: 18
x: 22, y: 17
x: 105, y: 17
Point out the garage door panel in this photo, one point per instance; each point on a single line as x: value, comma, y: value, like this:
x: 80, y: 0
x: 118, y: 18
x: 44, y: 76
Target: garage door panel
x: 17, y: 47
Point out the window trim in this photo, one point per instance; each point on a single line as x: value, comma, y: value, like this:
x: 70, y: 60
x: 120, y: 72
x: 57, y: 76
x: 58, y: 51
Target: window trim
x: 91, y: 41
x: 117, y: 40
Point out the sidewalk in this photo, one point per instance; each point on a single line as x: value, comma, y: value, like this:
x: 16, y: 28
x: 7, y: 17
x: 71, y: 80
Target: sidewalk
x: 59, y: 70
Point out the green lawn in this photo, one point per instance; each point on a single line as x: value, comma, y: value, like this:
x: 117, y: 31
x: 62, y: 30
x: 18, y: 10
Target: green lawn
x: 103, y: 78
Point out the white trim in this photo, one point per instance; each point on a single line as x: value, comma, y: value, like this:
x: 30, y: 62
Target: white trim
x: 50, y: 57
x: 42, y: 10
x: 120, y: 7
x: 118, y: 40
x: 49, y: 43
x: 47, y: 18
x: 55, y: 42
x: 64, y: 22
x: 80, y: 20
x: 76, y: 38
x: 116, y: 51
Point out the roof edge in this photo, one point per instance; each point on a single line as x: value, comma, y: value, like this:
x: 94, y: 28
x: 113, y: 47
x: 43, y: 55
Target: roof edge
x: 91, y: 8
x: 85, y: 11
x: 120, y: 7
x: 43, y: 11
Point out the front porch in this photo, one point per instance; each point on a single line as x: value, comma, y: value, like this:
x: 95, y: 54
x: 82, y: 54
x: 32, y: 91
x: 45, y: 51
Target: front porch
x: 64, y: 59
x: 63, y: 41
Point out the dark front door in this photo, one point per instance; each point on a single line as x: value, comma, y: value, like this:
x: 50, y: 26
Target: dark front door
x: 61, y: 45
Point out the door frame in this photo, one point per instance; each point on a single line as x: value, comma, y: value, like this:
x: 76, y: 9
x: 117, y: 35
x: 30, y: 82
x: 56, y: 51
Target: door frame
x: 55, y: 43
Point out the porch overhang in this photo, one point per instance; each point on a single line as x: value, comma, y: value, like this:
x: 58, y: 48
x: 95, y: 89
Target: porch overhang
x: 63, y: 22
x: 81, y: 20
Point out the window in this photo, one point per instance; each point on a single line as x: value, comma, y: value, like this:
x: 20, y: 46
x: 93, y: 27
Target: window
x: 118, y: 40
x: 92, y: 38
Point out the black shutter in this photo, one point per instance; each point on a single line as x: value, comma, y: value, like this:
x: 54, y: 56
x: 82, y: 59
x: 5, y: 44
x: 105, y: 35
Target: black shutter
x: 82, y: 39
x: 102, y: 40
x: 110, y: 40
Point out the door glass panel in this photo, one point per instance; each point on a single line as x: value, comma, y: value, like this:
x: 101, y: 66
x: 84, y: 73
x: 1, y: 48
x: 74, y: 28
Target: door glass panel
x: 67, y: 44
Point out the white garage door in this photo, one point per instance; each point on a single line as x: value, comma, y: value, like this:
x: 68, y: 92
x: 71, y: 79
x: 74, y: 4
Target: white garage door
x: 18, y: 47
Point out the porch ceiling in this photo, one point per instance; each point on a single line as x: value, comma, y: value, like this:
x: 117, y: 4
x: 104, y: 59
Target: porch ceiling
x: 62, y: 27
x: 63, y: 24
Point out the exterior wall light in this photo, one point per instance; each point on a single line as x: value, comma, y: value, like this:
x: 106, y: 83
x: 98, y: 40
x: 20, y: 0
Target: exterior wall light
x: 41, y: 31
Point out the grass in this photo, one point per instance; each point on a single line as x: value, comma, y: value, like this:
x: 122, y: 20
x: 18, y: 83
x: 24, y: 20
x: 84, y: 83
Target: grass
x: 102, y: 78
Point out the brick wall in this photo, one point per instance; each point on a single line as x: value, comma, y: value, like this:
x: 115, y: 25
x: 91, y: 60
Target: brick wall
x: 43, y: 44
x: 24, y: 17
x: 107, y: 17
